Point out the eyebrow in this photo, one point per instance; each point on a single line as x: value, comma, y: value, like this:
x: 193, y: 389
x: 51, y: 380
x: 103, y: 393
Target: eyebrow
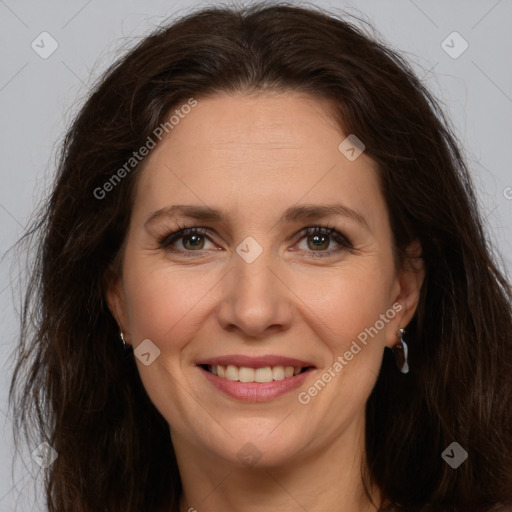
x: 303, y: 212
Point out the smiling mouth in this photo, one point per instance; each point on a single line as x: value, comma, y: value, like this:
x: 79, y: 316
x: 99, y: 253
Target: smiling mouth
x: 257, y: 375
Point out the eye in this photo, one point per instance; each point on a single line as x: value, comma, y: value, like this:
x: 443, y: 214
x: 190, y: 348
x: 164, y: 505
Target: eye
x: 193, y: 239
x: 319, y: 238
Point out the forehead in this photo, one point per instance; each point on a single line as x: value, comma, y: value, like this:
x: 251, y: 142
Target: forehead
x: 243, y: 126
x: 265, y: 151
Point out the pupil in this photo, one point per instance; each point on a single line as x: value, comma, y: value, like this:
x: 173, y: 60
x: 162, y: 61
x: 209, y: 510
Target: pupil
x: 193, y: 240
x: 319, y: 238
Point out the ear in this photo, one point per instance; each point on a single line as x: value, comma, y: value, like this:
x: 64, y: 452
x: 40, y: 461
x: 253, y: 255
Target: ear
x: 406, y: 291
x: 116, y: 303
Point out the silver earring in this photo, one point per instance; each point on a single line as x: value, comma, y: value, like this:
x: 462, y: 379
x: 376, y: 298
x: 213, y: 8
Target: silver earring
x: 401, y: 352
x: 127, y: 348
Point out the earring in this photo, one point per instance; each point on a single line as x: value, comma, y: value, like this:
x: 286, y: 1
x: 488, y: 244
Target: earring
x: 127, y: 348
x: 401, y: 352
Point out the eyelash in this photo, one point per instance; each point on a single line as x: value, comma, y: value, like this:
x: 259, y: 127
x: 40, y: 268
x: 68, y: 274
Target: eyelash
x: 183, y: 231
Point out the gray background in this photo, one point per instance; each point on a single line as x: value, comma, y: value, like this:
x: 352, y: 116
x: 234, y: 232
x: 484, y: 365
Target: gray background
x: 38, y: 98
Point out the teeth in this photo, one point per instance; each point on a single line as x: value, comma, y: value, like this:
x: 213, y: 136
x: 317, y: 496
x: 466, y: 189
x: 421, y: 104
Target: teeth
x: 231, y: 372
x: 246, y: 374
x: 288, y: 372
x: 278, y: 373
x: 261, y: 375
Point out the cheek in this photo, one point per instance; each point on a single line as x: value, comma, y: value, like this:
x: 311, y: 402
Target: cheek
x: 347, y: 301
x: 163, y: 303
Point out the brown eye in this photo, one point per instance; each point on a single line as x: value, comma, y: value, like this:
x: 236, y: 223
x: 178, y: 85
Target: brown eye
x: 320, y: 238
x: 319, y: 242
x: 193, y: 239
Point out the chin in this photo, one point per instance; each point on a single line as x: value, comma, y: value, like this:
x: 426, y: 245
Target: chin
x: 251, y: 451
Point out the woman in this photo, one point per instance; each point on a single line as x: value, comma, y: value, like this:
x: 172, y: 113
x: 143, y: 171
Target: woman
x: 255, y: 204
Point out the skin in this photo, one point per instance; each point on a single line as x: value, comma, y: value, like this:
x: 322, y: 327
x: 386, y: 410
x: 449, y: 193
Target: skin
x: 254, y: 156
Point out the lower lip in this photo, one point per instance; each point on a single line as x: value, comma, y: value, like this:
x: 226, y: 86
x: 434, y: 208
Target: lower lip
x: 255, y: 391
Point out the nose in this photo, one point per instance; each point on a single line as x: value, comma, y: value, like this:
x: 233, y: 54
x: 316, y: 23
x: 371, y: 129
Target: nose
x: 255, y: 300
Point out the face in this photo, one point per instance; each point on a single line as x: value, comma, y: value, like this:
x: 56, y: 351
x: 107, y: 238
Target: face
x: 286, y: 267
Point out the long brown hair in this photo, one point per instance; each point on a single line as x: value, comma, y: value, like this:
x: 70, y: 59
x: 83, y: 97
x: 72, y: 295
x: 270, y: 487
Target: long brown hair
x: 71, y: 382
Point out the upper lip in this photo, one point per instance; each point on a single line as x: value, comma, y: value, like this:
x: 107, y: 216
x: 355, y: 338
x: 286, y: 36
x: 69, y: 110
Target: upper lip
x: 255, y: 362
